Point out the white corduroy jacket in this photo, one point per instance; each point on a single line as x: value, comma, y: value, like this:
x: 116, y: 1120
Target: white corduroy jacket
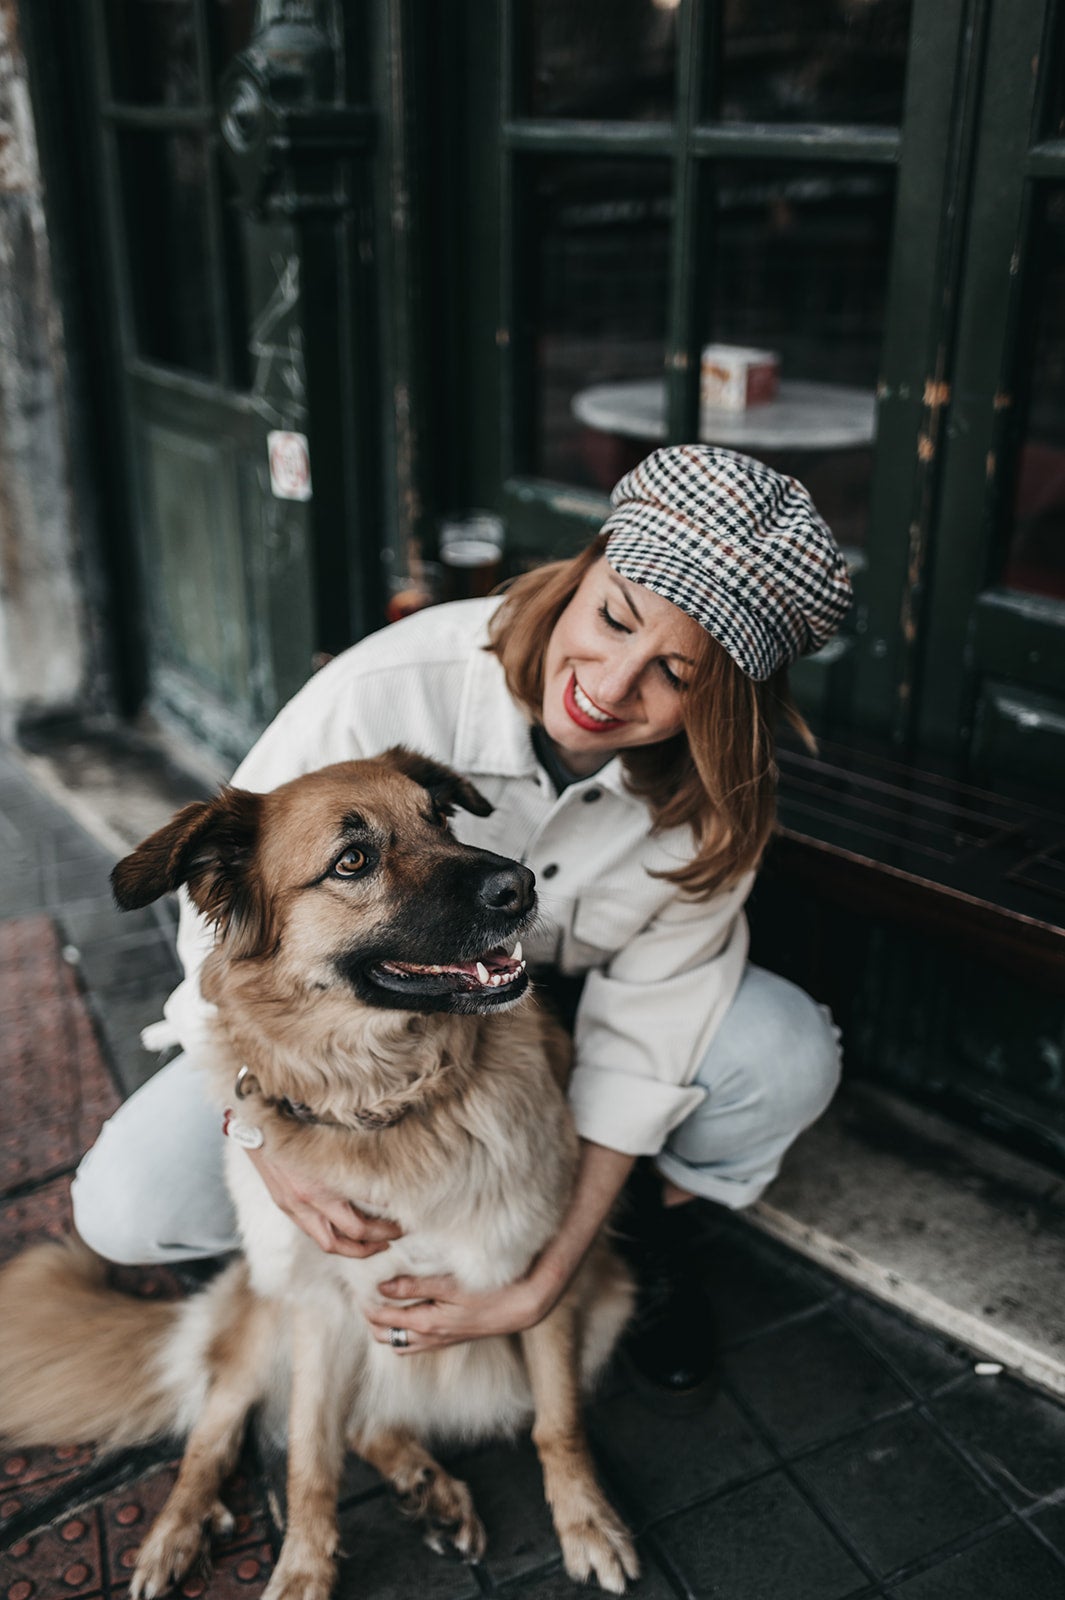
x: 662, y: 968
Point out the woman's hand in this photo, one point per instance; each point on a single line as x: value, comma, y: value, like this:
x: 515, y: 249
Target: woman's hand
x: 448, y: 1314
x: 336, y: 1225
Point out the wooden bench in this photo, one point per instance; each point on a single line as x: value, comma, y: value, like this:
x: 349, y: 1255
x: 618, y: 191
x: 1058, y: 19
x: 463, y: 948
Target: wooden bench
x: 920, y: 848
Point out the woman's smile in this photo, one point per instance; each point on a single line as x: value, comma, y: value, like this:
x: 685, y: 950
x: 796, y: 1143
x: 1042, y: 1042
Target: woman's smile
x: 584, y: 711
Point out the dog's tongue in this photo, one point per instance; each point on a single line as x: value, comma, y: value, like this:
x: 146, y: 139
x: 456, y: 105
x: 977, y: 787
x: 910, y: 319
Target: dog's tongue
x: 491, y: 968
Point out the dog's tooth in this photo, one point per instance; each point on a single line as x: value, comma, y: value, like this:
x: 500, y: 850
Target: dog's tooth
x: 516, y: 956
x: 482, y: 972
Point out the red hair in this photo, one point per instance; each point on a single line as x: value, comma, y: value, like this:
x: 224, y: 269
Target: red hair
x: 716, y: 777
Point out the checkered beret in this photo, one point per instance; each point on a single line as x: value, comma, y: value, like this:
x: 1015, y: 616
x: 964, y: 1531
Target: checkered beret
x: 737, y: 546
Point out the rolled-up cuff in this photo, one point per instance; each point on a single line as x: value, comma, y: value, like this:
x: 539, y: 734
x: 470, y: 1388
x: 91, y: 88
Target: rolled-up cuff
x: 736, y: 1193
x: 633, y: 1115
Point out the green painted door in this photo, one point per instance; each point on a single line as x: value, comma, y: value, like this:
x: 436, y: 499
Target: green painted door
x: 234, y: 152
x: 993, y: 669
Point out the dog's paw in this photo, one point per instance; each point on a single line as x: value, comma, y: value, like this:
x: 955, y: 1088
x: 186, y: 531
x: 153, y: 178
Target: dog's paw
x: 598, y: 1545
x: 302, y: 1574
x: 174, y: 1548
x: 222, y: 1520
x: 453, y: 1523
x: 426, y: 1492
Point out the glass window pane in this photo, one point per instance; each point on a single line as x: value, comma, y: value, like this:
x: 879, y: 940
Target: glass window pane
x: 1035, y: 560
x: 797, y: 272
x: 594, y: 249
x: 841, y: 61
x: 609, y: 59
x: 1052, y: 71
x: 799, y: 260
x: 231, y: 23
x: 164, y: 178
x: 154, y: 56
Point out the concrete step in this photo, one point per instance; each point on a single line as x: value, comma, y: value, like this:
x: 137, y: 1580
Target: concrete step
x: 932, y: 1218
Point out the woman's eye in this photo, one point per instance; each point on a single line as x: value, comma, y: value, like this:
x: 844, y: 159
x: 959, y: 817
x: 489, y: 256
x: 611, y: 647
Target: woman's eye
x: 350, y: 863
x: 611, y: 622
x: 671, y: 677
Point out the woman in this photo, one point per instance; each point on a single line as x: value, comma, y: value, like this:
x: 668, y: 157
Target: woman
x: 617, y: 710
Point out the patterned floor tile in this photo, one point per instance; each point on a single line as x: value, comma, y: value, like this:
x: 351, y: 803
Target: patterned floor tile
x: 19, y: 1469
x: 42, y: 1214
x: 56, y: 1085
x: 127, y: 1514
x: 61, y: 1560
x: 25, y: 1505
x: 235, y: 1575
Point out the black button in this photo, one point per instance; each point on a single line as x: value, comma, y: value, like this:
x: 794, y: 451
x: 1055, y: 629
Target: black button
x: 591, y: 794
x: 550, y: 870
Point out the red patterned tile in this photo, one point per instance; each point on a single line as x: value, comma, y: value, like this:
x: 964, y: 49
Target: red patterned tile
x: 56, y: 1085
x: 129, y: 1513
x: 235, y: 1575
x: 29, y: 1478
x: 27, y: 954
x: 43, y: 1214
x: 60, y: 1561
x: 20, y: 1468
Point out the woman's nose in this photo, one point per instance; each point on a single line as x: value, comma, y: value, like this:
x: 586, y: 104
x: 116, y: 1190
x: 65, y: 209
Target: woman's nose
x: 617, y: 682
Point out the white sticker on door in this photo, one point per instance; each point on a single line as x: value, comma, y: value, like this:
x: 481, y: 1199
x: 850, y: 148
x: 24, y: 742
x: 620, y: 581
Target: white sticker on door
x: 290, y: 465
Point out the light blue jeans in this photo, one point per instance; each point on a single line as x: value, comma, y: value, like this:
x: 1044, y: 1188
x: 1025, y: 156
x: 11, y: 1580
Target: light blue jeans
x: 151, y: 1188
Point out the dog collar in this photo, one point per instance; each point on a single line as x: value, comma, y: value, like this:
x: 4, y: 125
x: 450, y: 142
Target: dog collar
x: 367, y: 1121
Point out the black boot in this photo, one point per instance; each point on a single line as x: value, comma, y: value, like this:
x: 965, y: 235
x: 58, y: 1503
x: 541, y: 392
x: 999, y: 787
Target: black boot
x: 671, y: 1347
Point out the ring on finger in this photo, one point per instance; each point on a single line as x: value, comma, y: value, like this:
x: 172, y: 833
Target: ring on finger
x: 398, y: 1338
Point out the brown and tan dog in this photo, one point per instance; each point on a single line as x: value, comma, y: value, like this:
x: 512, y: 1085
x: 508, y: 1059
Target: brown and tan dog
x: 361, y: 976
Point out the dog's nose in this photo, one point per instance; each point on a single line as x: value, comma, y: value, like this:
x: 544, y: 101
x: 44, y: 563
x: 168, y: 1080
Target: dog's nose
x: 509, y: 889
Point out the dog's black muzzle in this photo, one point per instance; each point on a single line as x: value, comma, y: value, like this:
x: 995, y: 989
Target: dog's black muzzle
x: 450, y: 944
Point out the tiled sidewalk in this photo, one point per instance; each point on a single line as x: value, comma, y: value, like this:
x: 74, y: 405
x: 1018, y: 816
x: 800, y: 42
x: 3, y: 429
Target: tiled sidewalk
x: 848, y: 1453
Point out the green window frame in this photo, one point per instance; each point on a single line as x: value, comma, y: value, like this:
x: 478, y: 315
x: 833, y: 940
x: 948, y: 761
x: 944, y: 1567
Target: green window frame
x: 968, y: 80
x: 994, y: 658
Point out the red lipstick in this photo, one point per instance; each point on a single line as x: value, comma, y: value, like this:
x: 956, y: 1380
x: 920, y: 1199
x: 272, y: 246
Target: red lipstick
x: 581, y: 718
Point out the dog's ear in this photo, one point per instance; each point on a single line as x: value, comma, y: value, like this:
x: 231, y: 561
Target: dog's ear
x: 446, y: 787
x: 209, y: 847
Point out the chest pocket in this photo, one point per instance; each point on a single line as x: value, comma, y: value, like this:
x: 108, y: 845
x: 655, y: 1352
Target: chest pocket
x: 604, y: 922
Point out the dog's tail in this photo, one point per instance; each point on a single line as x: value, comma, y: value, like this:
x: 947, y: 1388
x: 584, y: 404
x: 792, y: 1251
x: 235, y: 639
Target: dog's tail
x: 80, y: 1361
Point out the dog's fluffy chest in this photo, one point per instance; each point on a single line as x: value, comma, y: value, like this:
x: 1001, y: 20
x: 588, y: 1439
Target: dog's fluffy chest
x: 477, y: 1193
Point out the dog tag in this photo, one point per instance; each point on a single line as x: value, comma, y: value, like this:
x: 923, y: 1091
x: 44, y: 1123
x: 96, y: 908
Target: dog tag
x: 244, y: 1133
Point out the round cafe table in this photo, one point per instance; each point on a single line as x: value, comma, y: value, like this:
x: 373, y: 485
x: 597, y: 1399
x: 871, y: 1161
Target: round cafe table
x: 804, y: 416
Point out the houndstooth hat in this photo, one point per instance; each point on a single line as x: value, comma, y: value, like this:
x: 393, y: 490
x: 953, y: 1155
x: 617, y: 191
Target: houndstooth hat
x: 737, y: 546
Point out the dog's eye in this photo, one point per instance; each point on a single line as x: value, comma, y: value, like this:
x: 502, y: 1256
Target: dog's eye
x: 350, y: 863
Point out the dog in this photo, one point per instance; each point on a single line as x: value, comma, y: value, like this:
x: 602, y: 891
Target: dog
x: 371, y: 1027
